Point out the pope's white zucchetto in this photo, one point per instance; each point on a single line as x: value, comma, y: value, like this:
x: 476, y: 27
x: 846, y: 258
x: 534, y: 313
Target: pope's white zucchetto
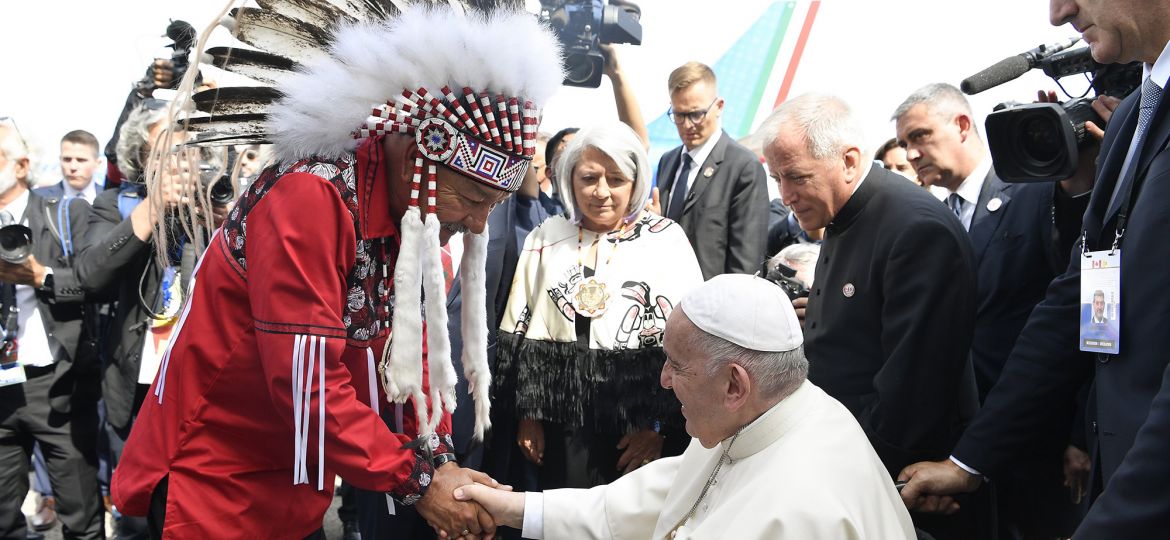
x: 748, y: 311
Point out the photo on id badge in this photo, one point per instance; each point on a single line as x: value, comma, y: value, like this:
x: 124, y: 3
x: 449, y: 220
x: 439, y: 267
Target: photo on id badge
x: 1101, y: 302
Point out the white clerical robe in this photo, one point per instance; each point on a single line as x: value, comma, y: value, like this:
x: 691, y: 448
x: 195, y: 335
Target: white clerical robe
x: 802, y: 470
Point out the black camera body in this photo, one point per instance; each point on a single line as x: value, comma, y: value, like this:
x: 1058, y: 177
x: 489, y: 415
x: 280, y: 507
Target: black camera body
x: 217, y: 183
x: 582, y: 25
x: 1041, y: 142
x: 785, y: 276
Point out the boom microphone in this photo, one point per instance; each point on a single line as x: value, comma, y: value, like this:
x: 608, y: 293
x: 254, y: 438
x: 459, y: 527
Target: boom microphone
x: 1011, y: 68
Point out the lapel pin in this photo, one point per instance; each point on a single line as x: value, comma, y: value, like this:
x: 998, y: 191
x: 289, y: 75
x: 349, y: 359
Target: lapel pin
x: 708, y: 172
x: 994, y: 204
x: 848, y: 290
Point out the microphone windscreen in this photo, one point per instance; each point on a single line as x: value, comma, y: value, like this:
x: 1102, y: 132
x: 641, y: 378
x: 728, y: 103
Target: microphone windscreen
x: 1003, y: 71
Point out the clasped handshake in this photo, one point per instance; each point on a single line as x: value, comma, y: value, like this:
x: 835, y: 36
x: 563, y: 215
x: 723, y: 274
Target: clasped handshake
x: 465, y: 504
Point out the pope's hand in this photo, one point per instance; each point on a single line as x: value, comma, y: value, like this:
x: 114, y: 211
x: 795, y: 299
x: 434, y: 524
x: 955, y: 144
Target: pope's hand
x: 930, y: 484
x: 449, y: 517
x: 505, y: 506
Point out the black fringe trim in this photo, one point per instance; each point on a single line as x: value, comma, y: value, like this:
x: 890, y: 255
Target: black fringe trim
x: 615, y: 390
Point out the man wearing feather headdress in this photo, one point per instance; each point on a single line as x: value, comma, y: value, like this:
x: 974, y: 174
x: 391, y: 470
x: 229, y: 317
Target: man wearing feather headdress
x: 407, y: 130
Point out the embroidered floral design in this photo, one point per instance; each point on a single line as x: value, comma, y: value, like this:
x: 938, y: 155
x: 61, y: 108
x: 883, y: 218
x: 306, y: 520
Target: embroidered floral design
x: 367, y: 295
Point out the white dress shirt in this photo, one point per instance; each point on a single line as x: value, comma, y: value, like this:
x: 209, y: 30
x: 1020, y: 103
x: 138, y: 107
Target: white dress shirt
x: 968, y: 191
x: 89, y: 193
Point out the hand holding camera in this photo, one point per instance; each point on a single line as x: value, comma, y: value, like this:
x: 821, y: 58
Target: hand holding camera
x: 26, y: 272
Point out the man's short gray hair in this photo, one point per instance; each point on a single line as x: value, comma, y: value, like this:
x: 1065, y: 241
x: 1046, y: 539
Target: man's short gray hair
x: 826, y: 121
x: 623, y: 146
x: 776, y: 374
x: 942, y: 100
x: 134, y: 137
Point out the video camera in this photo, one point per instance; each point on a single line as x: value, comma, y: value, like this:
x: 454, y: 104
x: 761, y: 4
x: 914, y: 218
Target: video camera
x: 582, y: 26
x: 182, y: 36
x: 1040, y: 142
x: 784, y: 276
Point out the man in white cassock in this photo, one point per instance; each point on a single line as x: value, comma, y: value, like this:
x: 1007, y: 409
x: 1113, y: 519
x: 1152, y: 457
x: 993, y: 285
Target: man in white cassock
x: 773, y: 456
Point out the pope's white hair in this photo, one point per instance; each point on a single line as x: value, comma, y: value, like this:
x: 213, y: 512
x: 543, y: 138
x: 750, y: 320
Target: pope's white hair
x: 509, y: 53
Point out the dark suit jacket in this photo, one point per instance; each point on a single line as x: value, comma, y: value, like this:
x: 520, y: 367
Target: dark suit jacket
x: 62, y: 308
x: 726, y: 212
x: 1131, y: 429
x: 889, y: 322
x: 116, y: 264
x: 1016, y: 256
x: 1015, y: 259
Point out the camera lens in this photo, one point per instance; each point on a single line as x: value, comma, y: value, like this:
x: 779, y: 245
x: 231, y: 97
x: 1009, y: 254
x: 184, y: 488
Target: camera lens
x: 15, y: 243
x: 1039, y: 141
x: 580, y: 68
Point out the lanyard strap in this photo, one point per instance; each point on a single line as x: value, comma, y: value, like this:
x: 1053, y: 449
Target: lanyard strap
x: 1128, y: 192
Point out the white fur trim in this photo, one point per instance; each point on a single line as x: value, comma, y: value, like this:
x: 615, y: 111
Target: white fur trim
x: 472, y: 278
x: 441, y: 372
x: 403, y: 376
x: 507, y: 53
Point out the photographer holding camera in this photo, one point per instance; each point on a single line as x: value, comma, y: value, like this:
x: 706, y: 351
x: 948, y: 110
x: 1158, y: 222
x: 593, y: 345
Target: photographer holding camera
x: 120, y: 261
x: 48, y: 381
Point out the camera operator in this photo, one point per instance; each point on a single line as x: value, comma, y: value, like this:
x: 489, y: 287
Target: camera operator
x: 1021, y: 235
x: 1127, y: 211
x: 120, y: 261
x: 48, y: 380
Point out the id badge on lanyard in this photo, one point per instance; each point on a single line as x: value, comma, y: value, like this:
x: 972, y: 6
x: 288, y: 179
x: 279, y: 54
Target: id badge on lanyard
x: 1101, y: 301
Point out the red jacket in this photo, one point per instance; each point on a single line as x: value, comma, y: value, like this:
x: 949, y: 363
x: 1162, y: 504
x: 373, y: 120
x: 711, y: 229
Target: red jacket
x: 292, y: 282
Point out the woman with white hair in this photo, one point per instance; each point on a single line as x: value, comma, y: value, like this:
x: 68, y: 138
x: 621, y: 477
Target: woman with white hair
x: 581, y: 341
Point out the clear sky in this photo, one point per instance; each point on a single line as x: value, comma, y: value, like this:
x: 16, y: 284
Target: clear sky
x: 70, y: 63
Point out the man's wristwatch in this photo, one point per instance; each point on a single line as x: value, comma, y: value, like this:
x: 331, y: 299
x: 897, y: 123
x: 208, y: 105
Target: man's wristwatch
x: 47, y: 283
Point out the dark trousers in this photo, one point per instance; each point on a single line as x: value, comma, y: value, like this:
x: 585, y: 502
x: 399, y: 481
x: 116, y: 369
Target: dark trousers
x: 127, y: 527
x: 68, y: 443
